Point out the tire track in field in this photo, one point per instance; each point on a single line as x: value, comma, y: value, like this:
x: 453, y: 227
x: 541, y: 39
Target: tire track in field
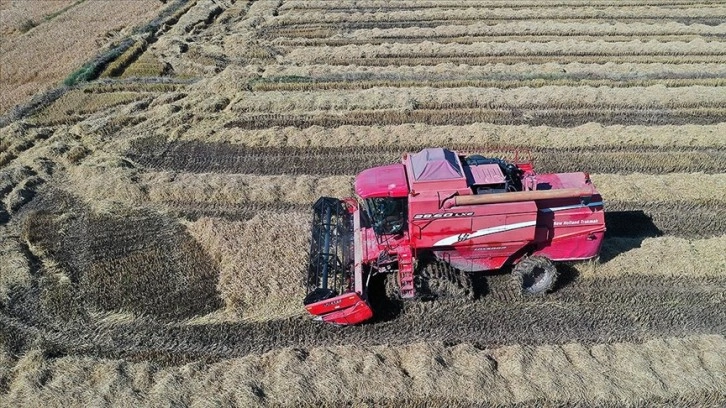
x: 200, y: 157
x: 588, y: 311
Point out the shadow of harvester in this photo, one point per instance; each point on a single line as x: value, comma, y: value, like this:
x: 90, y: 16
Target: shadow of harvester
x: 626, y: 230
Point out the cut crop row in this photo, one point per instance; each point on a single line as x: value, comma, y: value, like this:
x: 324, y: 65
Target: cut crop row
x: 491, y: 72
x: 380, y: 5
x: 322, y: 29
x: 551, y: 100
x: 539, y: 117
x: 587, y: 311
x: 604, y: 304
x: 315, y: 85
x: 300, y: 39
x: 212, y: 157
x: 510, y: 49
x: 486, y: 136
x: 655, y: 373
x: 623, y: 218
x: 634, y: 206
x: 72, y: 106
x: 603, y: 31
x: 428, y: 60
x: 444, y: 16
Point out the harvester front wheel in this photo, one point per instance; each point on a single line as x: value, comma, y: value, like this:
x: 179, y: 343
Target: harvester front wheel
x: 439, y: 280
x: 393, y: 291
x: 535, y: 275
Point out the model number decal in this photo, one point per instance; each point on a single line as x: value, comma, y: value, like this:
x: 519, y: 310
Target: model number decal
x: 333, y: 302
x: 442, y: 215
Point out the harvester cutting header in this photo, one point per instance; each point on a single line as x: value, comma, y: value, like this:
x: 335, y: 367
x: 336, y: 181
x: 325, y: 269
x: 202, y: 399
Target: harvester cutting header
x: 474, y: 213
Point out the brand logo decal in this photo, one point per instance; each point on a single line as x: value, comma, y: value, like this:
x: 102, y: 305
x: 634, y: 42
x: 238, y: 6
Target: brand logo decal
x: 576, y: 222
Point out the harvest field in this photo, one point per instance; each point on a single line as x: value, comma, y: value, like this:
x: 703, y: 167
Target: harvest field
x: 43, y: 41
x: 155, y: 211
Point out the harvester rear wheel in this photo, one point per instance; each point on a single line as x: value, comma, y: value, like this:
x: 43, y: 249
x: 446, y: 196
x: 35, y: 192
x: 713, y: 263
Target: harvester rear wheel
x: 534, y: 275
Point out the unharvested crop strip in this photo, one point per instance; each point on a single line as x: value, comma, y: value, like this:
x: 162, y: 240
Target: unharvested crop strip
x: 136, y: 86
x: 136, y: 260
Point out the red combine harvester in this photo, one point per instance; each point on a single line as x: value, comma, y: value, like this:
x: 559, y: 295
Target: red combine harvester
x: 474, y: 213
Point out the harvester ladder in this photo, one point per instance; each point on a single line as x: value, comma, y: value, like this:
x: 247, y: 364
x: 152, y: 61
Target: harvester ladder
x: 405, y: 272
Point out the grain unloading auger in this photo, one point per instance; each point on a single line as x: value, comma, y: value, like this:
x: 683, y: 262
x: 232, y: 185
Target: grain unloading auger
x: 473, y: 213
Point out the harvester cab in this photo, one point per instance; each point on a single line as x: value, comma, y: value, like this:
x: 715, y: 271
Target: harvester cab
x: 472, y: 212
x: 386, y: 215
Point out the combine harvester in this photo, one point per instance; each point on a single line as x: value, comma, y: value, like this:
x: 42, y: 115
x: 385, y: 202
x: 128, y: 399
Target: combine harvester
x: 473, y: 213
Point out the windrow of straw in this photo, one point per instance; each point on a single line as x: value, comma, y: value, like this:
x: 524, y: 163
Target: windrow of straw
x: 660, y: 372
x: 485, y: 13
x: 588, y: 135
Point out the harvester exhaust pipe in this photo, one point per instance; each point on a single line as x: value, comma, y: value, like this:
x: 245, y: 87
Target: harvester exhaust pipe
x: 516, y: 196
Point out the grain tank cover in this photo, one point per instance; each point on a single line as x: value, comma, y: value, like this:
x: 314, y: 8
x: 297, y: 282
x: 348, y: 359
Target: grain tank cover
x: 435, y: 164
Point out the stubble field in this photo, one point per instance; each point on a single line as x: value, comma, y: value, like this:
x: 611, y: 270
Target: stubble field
x: 154, y: 222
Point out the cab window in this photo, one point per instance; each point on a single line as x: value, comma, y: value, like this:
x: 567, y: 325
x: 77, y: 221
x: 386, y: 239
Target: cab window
x: 387, y: 215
